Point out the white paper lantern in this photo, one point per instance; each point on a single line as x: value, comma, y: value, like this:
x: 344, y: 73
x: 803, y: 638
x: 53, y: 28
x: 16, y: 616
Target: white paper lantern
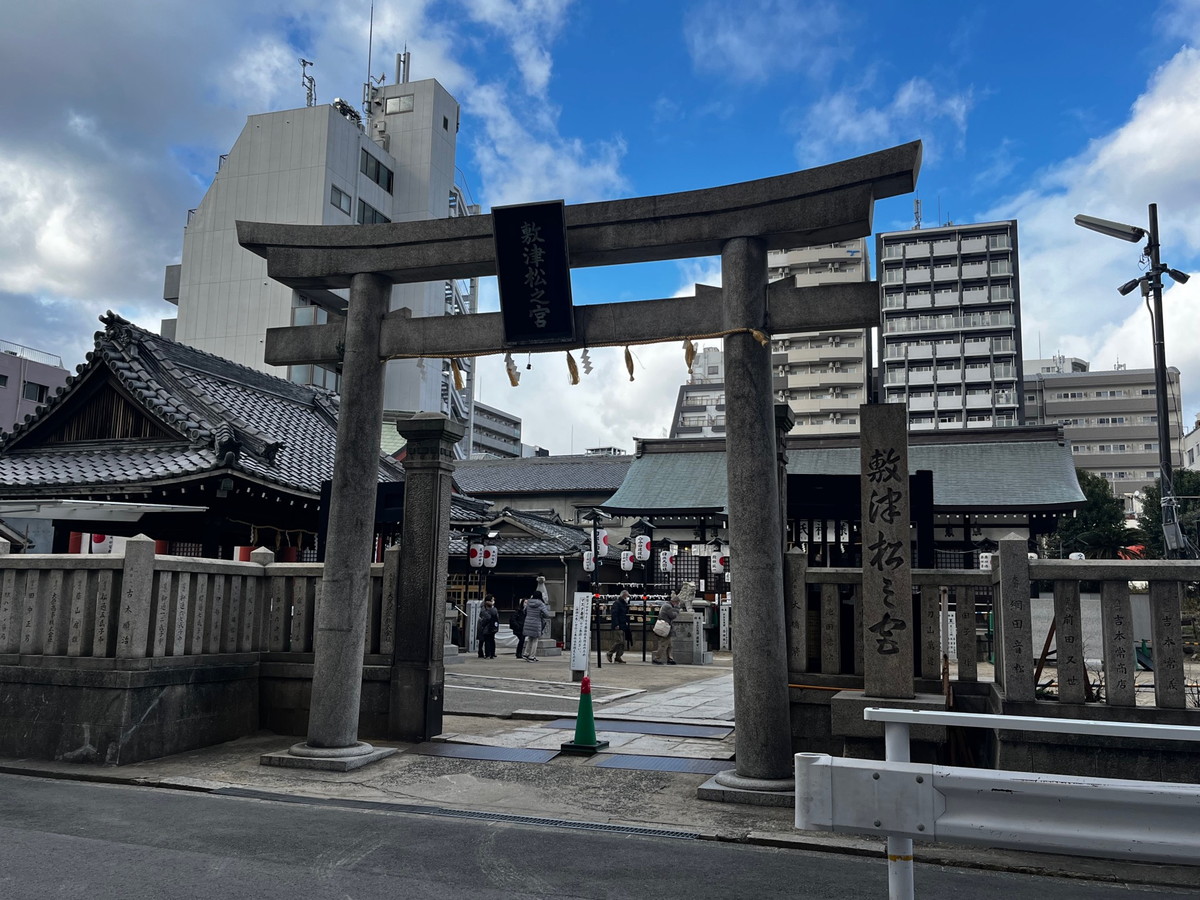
x: 601, y: 543
x: 666, y: 561
x: 589, y: 561
x: 475, y: 555
x: 626, y: 561
x: 641, y: 548
x: 490, y: 554
x: 717, y: 563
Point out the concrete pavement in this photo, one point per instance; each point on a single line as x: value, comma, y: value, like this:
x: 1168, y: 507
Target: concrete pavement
x: 508, y: 702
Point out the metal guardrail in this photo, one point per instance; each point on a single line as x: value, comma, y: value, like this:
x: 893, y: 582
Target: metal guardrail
x: 1108, y: 817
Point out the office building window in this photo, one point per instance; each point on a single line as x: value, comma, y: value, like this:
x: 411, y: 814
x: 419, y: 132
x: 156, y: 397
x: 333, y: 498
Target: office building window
x: 3, y: 381
x: 34, y: 392
x: 376, y: 171
x: 340, y: 199
x: 369, y: 215
x: 395, y: 105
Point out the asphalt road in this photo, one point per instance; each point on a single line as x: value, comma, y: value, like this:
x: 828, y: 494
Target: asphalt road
x: 66, y: 840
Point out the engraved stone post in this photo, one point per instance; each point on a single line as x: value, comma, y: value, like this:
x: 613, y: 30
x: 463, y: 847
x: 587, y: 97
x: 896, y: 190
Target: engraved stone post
x: 887, y: 553
x: 796, y: 572
x: 137, y: 583
x: 1166, y: 635
x: 1072, y: 676
x: 764, y: 741
x: 418, y: 673
x: 1015, y: 662
x: 1116, y: 616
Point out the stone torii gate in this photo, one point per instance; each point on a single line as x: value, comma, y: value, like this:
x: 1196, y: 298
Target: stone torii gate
x: 740, y: 222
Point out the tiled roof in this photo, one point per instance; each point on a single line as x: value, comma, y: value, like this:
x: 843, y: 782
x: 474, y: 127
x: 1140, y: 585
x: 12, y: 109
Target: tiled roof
x: 1021, y: 469
x: 542, y: 474
x: 223, y: 416
x: 527, y: 535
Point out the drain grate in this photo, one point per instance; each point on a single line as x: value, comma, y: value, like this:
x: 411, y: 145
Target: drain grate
x: 477, y: 751
x: 670, y: 729
x: 663, y: 764
x: 415, y: 809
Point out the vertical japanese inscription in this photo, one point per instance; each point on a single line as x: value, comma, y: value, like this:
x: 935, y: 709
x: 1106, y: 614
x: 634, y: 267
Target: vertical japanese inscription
x: 887, y: 556
x: 533, y: 273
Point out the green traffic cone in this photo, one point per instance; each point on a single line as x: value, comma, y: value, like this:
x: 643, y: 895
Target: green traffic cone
x: 585, y: 743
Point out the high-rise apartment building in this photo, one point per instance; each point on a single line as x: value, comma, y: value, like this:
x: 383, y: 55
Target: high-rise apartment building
x: 822, y: 376
x: 325, y: 165
x: 700, y: 405
x: 950, y: 341
x: 1109, y: 416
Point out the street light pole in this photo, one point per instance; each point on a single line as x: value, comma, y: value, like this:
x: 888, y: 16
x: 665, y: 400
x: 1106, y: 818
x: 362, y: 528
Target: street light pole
x: 1160, y: 360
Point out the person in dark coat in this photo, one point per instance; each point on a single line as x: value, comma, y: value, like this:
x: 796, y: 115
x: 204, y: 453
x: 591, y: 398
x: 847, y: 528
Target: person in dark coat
x: 486, y: 628
x: 537, y: 614
x: 517, y: 622
x: 620, y: 625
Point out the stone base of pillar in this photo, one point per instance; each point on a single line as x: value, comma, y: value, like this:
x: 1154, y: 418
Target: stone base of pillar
x: 451, y: 656
x: 326, y: 759
x: 748, y: 791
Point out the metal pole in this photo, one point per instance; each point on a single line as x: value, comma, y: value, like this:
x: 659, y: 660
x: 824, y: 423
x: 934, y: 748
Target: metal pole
x: 1166, y: 489
x: 899, y: 850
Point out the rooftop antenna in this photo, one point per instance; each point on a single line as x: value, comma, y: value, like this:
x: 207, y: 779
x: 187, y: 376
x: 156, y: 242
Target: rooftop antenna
x: 310, y: 83
x: 370, y: 46
x: 403, y: 61
x: 916, y: 215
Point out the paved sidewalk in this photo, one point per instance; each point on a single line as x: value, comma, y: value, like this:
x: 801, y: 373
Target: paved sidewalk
x: 567, y: 789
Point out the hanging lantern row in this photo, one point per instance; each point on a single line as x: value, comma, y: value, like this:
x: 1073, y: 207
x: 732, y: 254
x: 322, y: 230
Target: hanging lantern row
x: 626, y: 561
x: 601, y: 539
x: 484, y: 555
x: 666, y: 560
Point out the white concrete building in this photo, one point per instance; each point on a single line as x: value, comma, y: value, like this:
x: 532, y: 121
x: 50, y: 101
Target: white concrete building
x: 950, y: 344
x: 325, y: 165
x: 824, y: 375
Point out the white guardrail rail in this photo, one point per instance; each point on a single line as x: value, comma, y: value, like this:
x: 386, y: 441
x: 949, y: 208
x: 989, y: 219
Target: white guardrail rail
x: 1101, y: 817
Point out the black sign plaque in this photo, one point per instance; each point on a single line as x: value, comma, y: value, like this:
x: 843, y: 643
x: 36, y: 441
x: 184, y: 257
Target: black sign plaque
x: 534, y: 273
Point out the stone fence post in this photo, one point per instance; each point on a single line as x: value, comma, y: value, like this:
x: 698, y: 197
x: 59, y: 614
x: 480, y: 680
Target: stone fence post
x: 795, y: 583
x: 1014, y: 650
x: 137, y: 585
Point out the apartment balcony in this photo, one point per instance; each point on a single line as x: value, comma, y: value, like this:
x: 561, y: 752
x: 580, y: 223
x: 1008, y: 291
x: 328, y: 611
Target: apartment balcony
x: 1006, y: 398
x: 945, y: 248
x: 975, y: 295
x: 974, y: 244
x: 916, y: 275
x: 840, y: 404
x: 949, y: 401
x: 920, y: 351
x: 804, y: 404
x: 825, y: 353
x: 1004, y: 372
x: 979, y: 423
x: 949, y: 376
x: 977, y: 401
x: 894, y: 378
x: 974, y: 270
x: 946, y: 298
x: 921, y: 404
x: 837, y: 378
x: 948, y: 351
x: 945, y: 273
x: 921, y: 426
x: 920, y: 377
x: 977, y: 347
x: 918, y: 250
x: 918, y: 301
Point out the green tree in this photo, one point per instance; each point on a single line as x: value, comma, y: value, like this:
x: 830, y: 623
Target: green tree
x: 1187, y: 484
x: 1098, y: 529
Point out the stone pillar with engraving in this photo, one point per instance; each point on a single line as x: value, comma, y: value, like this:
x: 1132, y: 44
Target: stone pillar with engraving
x: 887, y: 552
x: 418, y: 671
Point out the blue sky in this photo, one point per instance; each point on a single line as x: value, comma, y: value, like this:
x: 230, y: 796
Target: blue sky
x: 114, y: 116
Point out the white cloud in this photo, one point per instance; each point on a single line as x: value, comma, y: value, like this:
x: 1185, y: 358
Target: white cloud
x: 528, y: 25
x: 844, y: 123
x: 519, y: 166
x: 755, y: 40
x: 1069, y: 276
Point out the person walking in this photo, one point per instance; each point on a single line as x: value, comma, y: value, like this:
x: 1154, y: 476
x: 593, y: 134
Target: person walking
x: 668, y: 612
x: 620, y: 625
x: 537, y: 614
x: 486, y: 628
x: 517, y: 623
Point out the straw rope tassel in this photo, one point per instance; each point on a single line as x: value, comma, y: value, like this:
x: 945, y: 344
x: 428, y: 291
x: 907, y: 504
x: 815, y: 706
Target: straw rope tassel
x: 760, y: 336
x: 572, y: 369
x: 458, y: 376
x: 514, y: 374
x: 629, y: 363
